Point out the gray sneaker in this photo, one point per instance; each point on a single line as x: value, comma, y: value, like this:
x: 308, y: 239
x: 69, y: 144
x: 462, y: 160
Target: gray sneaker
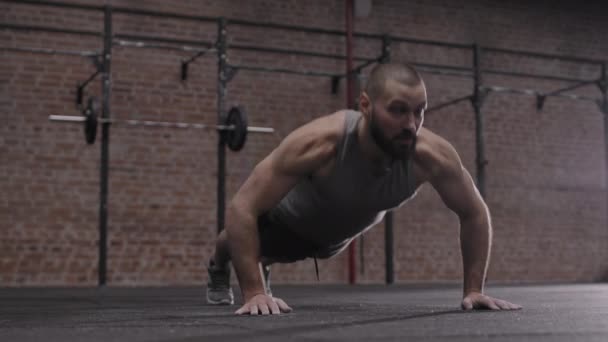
x: 219, y: 291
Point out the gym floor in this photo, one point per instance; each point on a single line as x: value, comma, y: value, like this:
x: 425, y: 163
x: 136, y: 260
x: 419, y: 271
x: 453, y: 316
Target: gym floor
x: 321, y: 313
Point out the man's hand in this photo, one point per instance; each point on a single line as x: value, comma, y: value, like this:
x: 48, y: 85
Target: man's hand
x: 263, y: 304
x: 479, y: 301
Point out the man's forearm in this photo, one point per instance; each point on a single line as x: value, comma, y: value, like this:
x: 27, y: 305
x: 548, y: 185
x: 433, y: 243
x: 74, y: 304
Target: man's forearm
x: 243, y: 240
x: 475, y: 244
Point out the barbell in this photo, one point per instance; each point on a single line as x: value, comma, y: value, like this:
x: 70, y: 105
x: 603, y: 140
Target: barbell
x: 233, y: 130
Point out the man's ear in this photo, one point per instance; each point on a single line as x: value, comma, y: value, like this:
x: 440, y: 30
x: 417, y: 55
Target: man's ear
x: 365, y: 104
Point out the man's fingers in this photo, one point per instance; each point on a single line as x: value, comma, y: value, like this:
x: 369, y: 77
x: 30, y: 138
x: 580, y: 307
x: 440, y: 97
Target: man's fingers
x: 264, y: 309
x: 511, y: 306
x: 274, y: 308
x: 489, y: 303
x: 282, y: 305
x: 253, y: 310
x: 485, y: 302
x: 244, y: 309
x: 503, y: 305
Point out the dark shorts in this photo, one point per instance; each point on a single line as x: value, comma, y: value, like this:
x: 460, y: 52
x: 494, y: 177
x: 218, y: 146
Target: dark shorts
x: 280, y: 244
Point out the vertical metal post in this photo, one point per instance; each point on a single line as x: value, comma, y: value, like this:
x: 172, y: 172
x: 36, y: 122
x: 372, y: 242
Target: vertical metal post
x: 604, y: 105
x: 349, y: 9
x: 106, y: 87
x: 477, y: 101
x: 222, y: 81
x: 388, y: 219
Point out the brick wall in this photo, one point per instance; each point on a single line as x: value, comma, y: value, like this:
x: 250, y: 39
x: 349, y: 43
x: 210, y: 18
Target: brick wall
x: 545, y: 177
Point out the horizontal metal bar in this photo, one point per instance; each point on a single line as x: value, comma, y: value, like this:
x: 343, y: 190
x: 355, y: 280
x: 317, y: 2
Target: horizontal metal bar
x: 432, y: 42
x: 542, y: 55
x: 283, y: 71
x: 441, y: 66
x: 146, y: 39
x: 19, y: 27
x: 301, y: 28
x: 294, y: 52
x: 140, y: 44
x: 168, y: 15
x: 80, y: 119
x: 57, y: 4
x: 532, y: 92
x: 283, y: 27
x: 536, y: 76
x: 572, y: 87
x: 360, y: 67
x: 51, y: 51
x: 448, y: 103
x: 67, y: 118
x: 445, y: 72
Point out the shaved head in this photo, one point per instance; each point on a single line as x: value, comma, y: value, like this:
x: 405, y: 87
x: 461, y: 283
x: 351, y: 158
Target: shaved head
x: 382, y: 73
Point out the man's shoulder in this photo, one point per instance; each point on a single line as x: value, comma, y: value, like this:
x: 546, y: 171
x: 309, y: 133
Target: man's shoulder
x: 315, y: 141
x: 329, y: 128
x: 434, y: 154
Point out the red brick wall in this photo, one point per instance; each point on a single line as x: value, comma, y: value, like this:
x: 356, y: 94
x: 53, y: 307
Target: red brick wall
x: 545, y: 177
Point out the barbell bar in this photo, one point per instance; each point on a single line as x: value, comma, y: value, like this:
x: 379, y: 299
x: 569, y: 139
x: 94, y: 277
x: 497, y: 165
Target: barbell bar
x: 233, y: 130
x: 171, y: 124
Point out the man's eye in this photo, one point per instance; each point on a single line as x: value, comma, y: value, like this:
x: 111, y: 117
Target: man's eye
x: 398, y: 110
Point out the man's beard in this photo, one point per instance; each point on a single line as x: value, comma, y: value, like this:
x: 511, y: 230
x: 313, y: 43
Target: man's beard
x: 388, y: 145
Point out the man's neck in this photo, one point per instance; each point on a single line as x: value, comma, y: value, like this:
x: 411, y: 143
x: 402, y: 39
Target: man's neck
x: 370, y: 149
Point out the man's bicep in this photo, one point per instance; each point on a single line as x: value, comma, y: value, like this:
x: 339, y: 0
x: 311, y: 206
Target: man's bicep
x: 299, y: 154
x: 264, y: 188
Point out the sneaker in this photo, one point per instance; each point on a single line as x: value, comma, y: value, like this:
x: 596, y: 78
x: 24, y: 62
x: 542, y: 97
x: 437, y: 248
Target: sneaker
x: 219, y: 291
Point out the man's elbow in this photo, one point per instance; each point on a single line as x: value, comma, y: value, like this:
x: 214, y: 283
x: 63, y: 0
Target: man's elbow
x: 479, y: 218
x: 238, y: 216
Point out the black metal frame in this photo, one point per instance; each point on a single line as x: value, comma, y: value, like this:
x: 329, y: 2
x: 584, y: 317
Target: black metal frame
x: 222, y: 86
x: 227, y: 71
x: 106, y: 86
x: 389, y: 242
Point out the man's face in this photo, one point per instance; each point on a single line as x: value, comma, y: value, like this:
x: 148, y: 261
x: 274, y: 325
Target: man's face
x: 395, y: 118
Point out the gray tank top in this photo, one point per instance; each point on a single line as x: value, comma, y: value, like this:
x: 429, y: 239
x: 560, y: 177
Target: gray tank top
x: 351, y: 199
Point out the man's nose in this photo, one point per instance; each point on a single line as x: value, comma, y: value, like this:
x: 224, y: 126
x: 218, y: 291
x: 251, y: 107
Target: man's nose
x: 409, y: 122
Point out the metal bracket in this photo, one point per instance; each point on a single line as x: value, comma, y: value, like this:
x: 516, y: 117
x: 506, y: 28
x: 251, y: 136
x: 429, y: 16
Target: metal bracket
x: 482, y: 94
x: 482, y: 163
x: 230, y: 72
x: 186, y: 62
x: 385, y: 57
x: 603, y: 107
x: 602, y: 84
x: 98, y: 63
x: 335, y: 84
x: 540, y: 101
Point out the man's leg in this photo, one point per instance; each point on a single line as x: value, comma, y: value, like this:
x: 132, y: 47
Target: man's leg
x: 219, y: 291
x: 221, y: 257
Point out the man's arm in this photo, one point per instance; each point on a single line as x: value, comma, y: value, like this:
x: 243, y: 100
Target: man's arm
x: 301, y: 153
x: 458, y: 191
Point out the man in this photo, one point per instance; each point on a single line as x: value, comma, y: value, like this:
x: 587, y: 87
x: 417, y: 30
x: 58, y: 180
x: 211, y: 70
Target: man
x: 331, y: 179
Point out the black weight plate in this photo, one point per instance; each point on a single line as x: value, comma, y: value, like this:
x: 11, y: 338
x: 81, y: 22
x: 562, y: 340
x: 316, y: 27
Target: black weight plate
x: 235, y: 139
x: 90, y: 123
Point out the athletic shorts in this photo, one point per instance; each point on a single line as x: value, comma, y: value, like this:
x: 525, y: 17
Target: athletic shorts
x: 280, y: 244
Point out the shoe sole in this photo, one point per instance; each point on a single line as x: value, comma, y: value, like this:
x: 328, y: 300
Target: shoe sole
x: 220, y: 302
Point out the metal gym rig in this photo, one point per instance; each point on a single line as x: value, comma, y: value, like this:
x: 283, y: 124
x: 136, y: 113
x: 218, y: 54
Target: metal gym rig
x: 234, y: 128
